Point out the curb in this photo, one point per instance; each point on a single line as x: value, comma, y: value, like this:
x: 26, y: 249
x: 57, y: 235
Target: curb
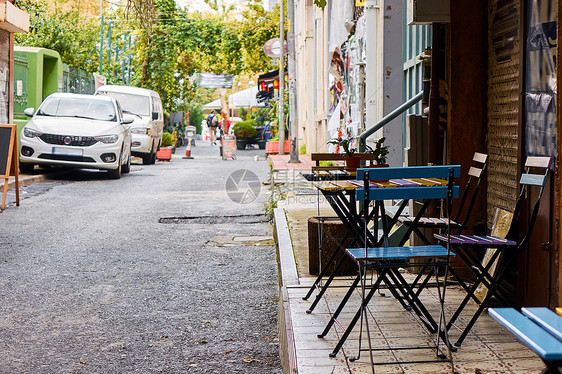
x: 287, y: 277
x: 25, y: 180
x: 29, y: 179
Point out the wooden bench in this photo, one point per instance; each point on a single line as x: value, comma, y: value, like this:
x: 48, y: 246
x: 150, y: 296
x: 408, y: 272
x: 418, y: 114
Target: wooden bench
x: 540, y: 329
x: 336, y: 157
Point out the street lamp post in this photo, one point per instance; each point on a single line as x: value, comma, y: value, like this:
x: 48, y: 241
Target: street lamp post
x: 281, y: 79
x: 101, y: 40
x: 129, y: 61
x: 110, y: 24
x: 293, y: 127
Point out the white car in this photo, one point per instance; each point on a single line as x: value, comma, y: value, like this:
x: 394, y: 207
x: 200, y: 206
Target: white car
x: 146, y: 107
x: 81, y: 131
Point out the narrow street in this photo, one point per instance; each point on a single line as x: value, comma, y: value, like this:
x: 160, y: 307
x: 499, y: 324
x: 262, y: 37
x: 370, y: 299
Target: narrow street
x: 169, y: 269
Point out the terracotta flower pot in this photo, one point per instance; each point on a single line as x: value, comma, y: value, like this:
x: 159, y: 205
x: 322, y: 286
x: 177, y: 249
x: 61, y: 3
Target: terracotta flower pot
x: 272, y: 146
x: 164, y: 154
x: 352, y: 163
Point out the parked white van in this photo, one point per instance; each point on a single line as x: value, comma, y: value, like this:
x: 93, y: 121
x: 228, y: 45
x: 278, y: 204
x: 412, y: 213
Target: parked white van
x: 146, y: 107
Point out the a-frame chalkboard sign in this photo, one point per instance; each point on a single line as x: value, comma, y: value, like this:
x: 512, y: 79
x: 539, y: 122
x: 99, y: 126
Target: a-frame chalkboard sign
x: 9, y: 160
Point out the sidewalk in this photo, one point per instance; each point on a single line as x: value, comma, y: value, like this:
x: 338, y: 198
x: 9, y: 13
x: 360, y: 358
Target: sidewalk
x: 488, y: 348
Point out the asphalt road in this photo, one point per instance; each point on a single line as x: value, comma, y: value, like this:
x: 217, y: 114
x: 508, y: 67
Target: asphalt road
x: 170, y: 269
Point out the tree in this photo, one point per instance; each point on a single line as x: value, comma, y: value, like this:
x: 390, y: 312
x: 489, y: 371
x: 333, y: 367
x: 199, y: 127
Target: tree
x: 222, y: 8
x: 73, y: 36
x: 144, y: 13
x: 170, y: 45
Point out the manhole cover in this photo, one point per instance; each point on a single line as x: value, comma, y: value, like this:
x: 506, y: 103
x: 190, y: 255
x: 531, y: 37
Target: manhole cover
x: 210, y: 220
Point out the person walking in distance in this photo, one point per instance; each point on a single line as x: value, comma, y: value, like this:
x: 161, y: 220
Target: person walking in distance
x: 225, y: 123
x: 213, y: 124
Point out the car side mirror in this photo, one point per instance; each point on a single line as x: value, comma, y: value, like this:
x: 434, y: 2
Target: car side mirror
x: 29, y: 112
x: 154, y: 115
x: 127, y: 119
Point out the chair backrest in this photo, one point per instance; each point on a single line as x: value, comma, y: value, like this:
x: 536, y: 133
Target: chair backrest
x: 535, y: 175
x: 475, y: 174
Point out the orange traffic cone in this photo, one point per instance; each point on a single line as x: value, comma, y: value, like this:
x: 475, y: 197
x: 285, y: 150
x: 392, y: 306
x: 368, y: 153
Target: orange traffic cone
x: 188, y: 151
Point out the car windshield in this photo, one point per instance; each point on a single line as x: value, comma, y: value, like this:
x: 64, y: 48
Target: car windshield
x: 78, y: 107
x: 130, y: 103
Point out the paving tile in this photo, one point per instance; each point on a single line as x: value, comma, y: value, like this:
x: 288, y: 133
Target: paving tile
x: 322, y: 370
x: 488, y: 347
x: 493, y: 367
x: 524, y: 365
x: 427, y: 368
x: 511, y: 350
x: 320, y: 361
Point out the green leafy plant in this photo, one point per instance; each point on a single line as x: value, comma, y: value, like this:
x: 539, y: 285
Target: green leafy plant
x: 263, y: 115
x: 245, y: 129
x: 320, y: 3
x: 380, y: 151
x: 166, y: 139
x: 271, y: 204
x: 302, y: 149
x: 328, y: 163
x: 346, y: 144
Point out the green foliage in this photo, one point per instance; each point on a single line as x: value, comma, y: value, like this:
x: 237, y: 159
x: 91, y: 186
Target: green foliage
x: 380, y: 151
x: 273, y: 201
x: 302, y: 149
x: 170, y: 45
x: 245, y: 129
x: 320, y: 3
x: 166, y: 139
x: 263, y: 115
x: 190, y: 44
x: 243, y: 113
x: 73, y: 36
x: 196, y: 116
x: 346, y: 144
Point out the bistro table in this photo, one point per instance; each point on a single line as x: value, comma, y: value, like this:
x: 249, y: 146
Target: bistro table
x: 340, y: 188
x: 378, y: 186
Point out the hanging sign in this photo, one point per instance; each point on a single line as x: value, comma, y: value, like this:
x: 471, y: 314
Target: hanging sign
x: 208, y: 80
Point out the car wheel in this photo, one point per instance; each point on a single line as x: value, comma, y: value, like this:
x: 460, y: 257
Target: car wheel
x: 146, y: 159
x: 116, y: 173
x: 127, y: 167
x: 26, y: 168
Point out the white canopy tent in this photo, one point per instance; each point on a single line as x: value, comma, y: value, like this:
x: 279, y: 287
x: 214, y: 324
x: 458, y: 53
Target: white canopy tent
x: 215, y: 104
x: 241, y: 99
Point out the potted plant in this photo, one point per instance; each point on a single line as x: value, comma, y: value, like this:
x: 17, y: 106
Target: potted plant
x: 352, y: 162
x: 166, y: 140
x: 165, y: 151
x: 380, y: 152
x: 244, y: 132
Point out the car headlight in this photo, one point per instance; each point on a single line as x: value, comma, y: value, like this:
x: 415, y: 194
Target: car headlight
x: 28, y: 133
x: 107, y: 139
x: 140, y: 130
